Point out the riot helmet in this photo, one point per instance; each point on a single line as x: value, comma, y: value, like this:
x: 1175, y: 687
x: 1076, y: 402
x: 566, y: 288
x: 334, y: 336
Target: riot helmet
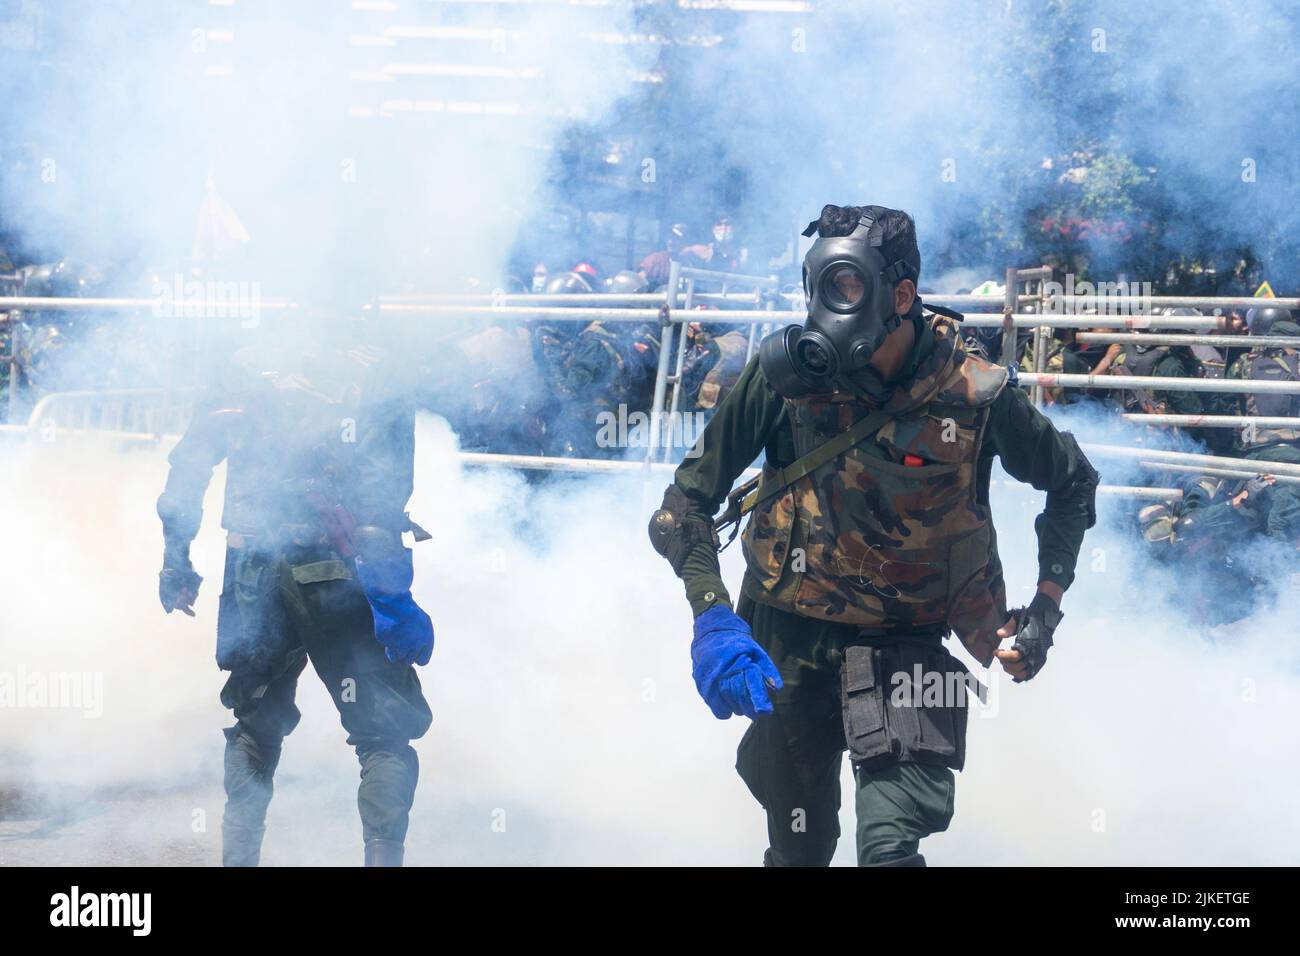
x: 585, y: 268
x: 1261, y: 320
x: 627, y: 282
x: 568, y: 283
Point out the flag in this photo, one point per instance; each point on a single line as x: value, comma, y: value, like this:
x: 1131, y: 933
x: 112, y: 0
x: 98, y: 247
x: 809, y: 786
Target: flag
x: 218, y: 231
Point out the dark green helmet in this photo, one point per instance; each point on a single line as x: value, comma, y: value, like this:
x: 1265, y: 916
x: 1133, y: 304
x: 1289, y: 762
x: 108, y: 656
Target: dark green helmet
x: 568, y: 283
x: 627, y: 282
x: 1261, y: 320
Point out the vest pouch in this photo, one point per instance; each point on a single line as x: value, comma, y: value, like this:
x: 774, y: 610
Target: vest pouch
x: 927, y: 704
x: 862, y: 705
x: 766, y: 540
x: 1272, y: 366
x: 905, y: 701
x: 253, y: 632
x: 313, y: 590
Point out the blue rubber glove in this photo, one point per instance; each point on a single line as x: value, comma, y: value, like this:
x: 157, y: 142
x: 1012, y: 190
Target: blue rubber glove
x: 731, y: 671
x: 400, y: 624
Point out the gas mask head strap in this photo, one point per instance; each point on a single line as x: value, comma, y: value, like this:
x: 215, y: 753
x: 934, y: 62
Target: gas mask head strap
x: 868, y: 218
x: 893, y: 273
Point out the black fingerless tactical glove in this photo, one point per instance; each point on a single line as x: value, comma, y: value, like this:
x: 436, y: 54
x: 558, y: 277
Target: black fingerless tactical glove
x: 178, y: 582
x: 1035, y: 625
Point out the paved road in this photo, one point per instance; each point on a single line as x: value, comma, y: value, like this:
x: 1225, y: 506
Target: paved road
x: 119, y: 827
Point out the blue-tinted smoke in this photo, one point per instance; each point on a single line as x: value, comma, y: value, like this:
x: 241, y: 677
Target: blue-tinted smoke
x: 1005, y: 126
x: 410, y: 147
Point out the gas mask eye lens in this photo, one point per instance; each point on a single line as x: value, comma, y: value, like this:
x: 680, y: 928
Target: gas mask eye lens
x: 843, y: 287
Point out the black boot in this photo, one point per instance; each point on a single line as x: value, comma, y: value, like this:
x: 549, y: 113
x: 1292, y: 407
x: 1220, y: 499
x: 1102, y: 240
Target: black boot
x: 384, y: 852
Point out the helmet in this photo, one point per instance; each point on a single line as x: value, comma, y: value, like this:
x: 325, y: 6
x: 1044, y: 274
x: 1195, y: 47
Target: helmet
x: 627, y: 282
x: 567, y: 283
x: 1261, y: 320
x: 513, y: 285
x: 1174, y: 329
x: 849, y: 285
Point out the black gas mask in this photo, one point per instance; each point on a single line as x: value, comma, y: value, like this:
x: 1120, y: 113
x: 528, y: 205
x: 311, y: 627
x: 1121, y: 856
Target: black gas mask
x: 850, y: 291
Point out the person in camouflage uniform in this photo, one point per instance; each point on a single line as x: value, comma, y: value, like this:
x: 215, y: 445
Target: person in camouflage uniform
x: 555, y: 342
x: 319, y: 443
x: 1203, y: 534
x: 714, y: 361
x: 44, y: 338
x: 493, y: 393
x: 607, y: 370
x: 1159, y: 361
x: 1063, y: 355
x: 1265, y: 444
x: 592, y: 370
x: 1214, y: 362
x: 870, y: 539
x: 637, y: 344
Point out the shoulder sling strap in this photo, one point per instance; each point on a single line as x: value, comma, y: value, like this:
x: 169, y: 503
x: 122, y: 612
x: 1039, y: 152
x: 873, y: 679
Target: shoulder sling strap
x: 824, y: 453
x: 755, y: 491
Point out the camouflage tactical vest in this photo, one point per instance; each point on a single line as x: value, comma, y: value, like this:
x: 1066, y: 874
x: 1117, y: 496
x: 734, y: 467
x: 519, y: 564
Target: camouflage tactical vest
x: 891, y: 535
x: 1271, y: 365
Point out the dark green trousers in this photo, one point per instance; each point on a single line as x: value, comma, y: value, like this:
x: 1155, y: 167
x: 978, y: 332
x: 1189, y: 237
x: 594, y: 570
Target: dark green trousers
x: 1283, y: 520
x: 791, y: 759
x: 327, y: 622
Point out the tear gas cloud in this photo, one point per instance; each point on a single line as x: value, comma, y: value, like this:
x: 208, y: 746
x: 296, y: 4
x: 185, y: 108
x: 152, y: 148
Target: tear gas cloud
x: 960, y: 113
x: 349, y: 180
x: 567, y: 729
x: 970, y: 115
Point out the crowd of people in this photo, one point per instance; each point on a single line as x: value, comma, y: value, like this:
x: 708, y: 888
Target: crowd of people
x: 1222, y: 518
x: 539, y: 385
x: 44, y: 351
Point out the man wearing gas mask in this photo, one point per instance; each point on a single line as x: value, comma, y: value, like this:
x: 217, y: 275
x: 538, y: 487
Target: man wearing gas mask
x: 870, y: 540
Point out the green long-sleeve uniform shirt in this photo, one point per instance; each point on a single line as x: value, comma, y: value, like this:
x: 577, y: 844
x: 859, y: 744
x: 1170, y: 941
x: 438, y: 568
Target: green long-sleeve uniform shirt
x: 1179, y: 403
x: 753, y: 419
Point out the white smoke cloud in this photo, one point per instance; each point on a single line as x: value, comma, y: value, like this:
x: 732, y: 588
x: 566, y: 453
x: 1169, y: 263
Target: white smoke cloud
x: 566, y: 726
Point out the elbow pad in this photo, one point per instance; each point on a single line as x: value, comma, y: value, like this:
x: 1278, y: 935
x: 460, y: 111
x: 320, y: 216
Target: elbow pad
x: 677, y: 527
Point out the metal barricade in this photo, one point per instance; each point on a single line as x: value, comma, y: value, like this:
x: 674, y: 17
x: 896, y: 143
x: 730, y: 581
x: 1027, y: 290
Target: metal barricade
x: 132, y: 414
x: 762, y: 307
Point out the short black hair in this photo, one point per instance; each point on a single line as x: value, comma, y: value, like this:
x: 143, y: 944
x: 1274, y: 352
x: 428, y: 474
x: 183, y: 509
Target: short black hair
x: 898, y: 233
